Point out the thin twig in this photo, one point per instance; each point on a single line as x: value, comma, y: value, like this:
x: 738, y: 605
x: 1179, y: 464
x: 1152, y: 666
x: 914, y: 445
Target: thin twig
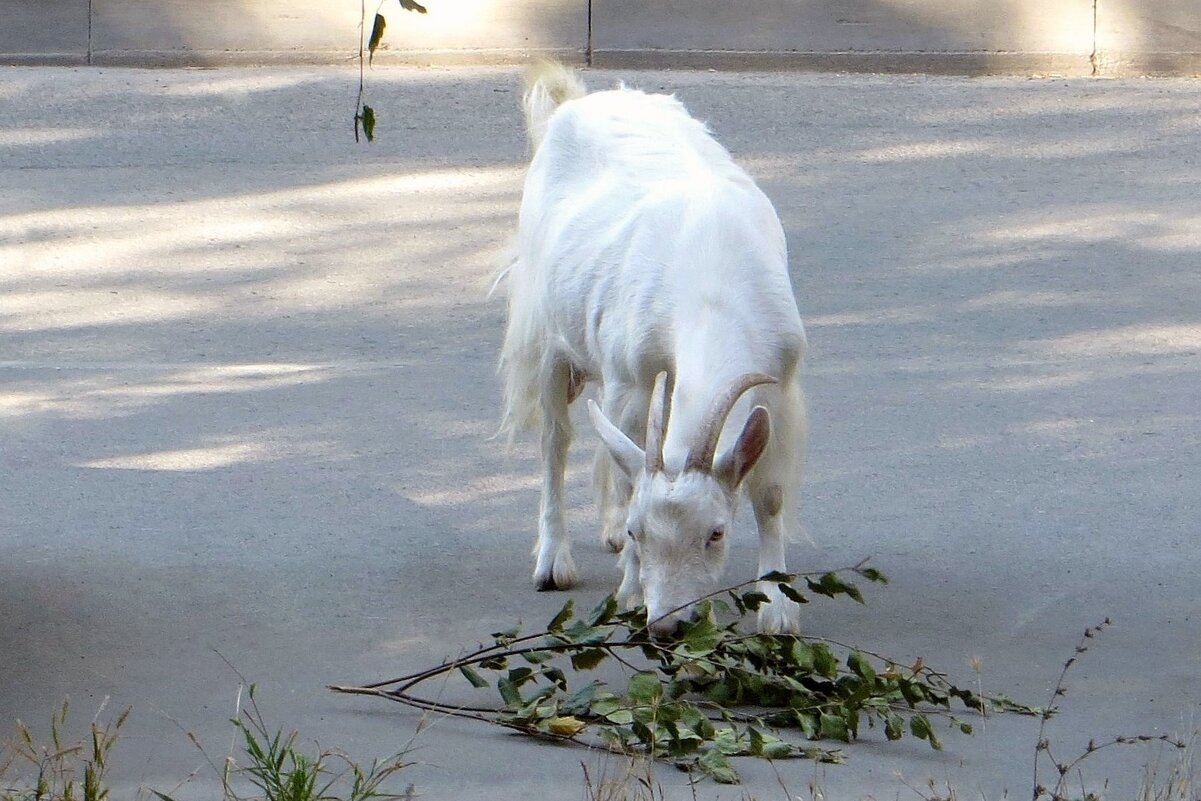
x: 1042, y: 744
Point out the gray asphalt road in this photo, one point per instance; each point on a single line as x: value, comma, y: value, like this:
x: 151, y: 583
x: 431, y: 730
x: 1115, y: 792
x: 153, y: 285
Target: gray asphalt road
x: 246, y: 390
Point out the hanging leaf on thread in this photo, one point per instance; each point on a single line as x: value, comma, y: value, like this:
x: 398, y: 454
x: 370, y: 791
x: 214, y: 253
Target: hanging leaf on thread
x: 365, y: 120
x: 377, y: 34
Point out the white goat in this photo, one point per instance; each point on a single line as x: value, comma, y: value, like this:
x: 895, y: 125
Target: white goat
x: 649, y: 262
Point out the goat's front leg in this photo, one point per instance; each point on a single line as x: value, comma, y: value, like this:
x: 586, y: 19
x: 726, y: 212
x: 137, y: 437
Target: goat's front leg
x: 626, y: 406
x: 613, y: 497
x: 629, y: 594
x: 554, y: 568
x: 780, y: 616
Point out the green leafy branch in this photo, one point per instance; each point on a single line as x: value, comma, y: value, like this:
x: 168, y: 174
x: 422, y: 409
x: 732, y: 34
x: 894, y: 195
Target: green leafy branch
x: 710, y: 693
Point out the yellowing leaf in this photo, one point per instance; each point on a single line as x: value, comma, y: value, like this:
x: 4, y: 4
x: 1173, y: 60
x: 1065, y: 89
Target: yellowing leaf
x: 566, y: 726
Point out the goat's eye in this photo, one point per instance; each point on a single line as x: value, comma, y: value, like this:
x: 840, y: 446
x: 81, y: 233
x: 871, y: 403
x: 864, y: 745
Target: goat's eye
x: 716, y: 536
x: 630, y: 534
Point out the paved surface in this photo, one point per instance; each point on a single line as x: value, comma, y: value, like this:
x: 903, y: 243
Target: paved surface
x: 246, y: 389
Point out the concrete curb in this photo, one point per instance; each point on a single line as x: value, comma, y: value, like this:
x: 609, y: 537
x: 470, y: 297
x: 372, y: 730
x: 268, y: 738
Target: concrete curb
x: 966, y: 37
x: 1109, y: 65
x: 209, y: 59
x: 966, y: 63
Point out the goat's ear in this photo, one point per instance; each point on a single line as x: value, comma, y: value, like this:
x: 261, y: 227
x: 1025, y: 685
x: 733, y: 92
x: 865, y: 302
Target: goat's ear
x: 629, y: 457
x: 732, y: 468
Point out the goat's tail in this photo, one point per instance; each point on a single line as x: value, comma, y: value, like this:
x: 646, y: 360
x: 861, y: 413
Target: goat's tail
x: 548, y: 85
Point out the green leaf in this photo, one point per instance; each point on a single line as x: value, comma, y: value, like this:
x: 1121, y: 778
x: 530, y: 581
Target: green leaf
x: 520, y: 675
x: 508, y: 692
x: 494, y: 663
x: 645, y: 688
x: 1003, y: 703
x: 791, y: 593
x: 614, y: 738
x: 767, y: 746
x: 603, y: 612
x: 606, y: 704
x: 613, y: 710
x: 831, y: 585
x: 472, y: 676
x: 824, y: 661
x: 412, y: 5
x: 871, y: 574
x: 802, y: 656
x: 834, y: 727
x: 702, y: 637
x: 377, y: 33
x: 580, y: 633
x: 580, y: 701
x: 714, y: 764
x: 808, y: 723
x: 894, y: 727
x: 919, y: 726
x: 756, y: 737
x: 729, y: 741
x: 775, y: 748
x: 555, y: 676
x: 588, y: 659
x: 622, y: 717
x: 643, y: 732
x: 776, y: 575
x: 562, y: 617
x: 507, y: 636
x: 721, y: 607
x: 753, y: 600
x: 966, y: 728
x: 537, y: 657
x: 860, y: 666
x: 365, y: 120
x: 912, y: 691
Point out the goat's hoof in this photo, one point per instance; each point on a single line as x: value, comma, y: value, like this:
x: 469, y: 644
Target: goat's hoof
x: 627, y: 601
x: 552, y: 584
x: 614, y: 535
x: 781, y: 616
x: 559, y: 575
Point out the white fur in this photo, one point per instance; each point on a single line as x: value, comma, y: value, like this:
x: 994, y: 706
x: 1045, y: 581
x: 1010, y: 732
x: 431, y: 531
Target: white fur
x: 642, y: 247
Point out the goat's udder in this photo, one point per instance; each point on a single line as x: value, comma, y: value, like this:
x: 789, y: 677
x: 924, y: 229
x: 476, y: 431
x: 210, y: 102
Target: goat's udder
x: 576, y: 382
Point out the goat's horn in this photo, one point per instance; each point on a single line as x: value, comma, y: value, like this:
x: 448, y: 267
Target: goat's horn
x: 656, y: 424
x: 704, y: 448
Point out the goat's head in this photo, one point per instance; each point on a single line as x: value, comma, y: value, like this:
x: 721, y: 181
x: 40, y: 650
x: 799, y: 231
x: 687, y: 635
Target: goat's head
x: 678, y: 524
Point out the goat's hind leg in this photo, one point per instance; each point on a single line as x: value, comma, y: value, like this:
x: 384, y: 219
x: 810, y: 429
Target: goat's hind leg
x: 772, y: 487
x: 554, y: 568
x: 781, y: 615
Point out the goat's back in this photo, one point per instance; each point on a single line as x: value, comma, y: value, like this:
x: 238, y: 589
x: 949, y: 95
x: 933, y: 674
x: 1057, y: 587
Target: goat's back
x: 638, y: 140
x: 628, y: 188
x: 636, y: 226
